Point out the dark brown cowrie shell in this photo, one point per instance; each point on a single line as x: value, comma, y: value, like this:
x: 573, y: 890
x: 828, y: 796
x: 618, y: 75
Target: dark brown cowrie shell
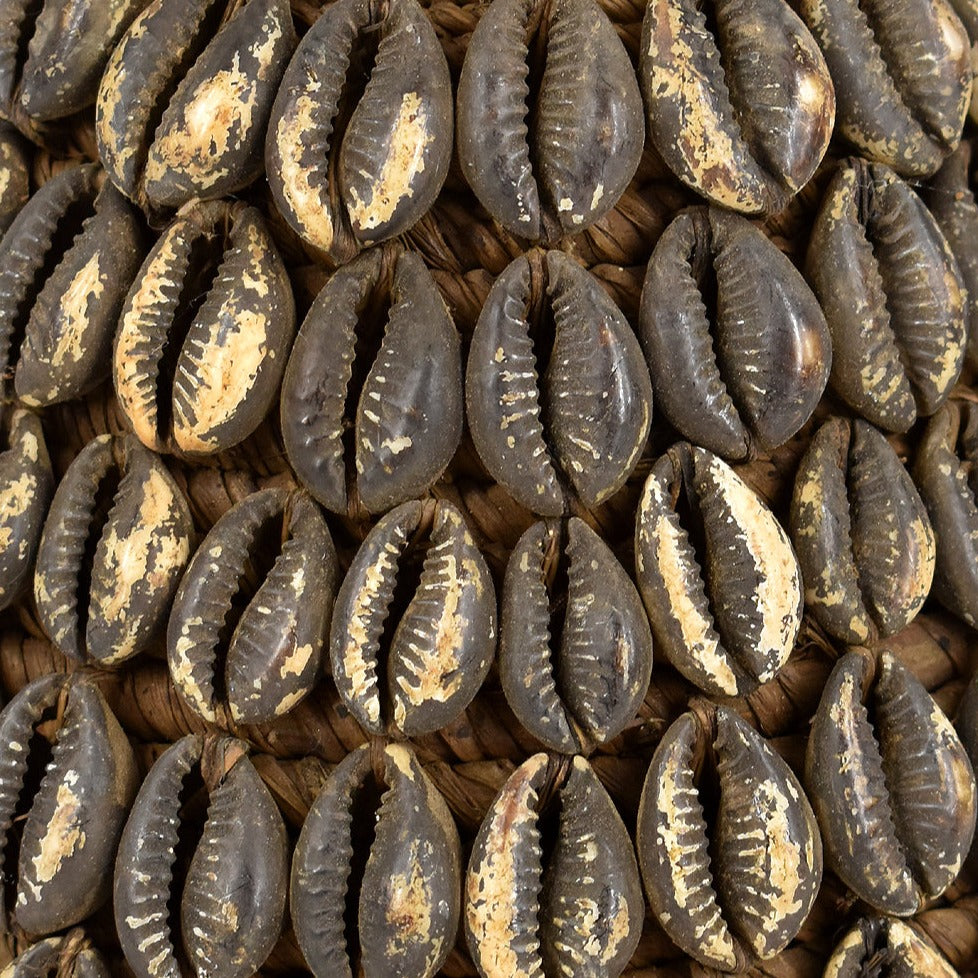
x: 65, y: 265
x: 378, y: 850
x: 557, y: 392
x: 946, y: 475
x: 861, y: 532
x: 727, y: 842
x: 892, y: 295
x: 116, y: 540
x: 71, y: 956
x: 372, y: 397
x: 716, y: 571
x: 874, y: 942
x: 205, y: 332
x: 419, y: 597
x: 576, y: 910
x: 950, y: 199
x: 26, y: 488
x: 902, y: 74
x: 735, y: 341
x: 548, y: 150
x: 895, y: 795
x: 575, y: 650
x: 360, y: 137
x: 739, y: 100
x: 15, y: 178
x: 67, y: 779
x: 186, y: 97
x: 202, y: 869
x: 250, y: 617
x: 53, y: 53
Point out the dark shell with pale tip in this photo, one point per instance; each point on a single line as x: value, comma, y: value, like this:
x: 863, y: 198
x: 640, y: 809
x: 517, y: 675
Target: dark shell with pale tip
x: 400, y: 883
x: 552, y: 885
x: 736, y: 342
x: 419, y: 597
x: 116, y: 540
x: 946, y: 473
x: 557, y: 393
x: 251, y: 615
x: 902, y: 74
x: 712, y: 885
x: 891, y: 943
x: 740, y: 106
x: 950, y: 199
x: 372, y: 402
x: 728, y: 623
x: 575, y: 649
x: 892, y: 294
x: 53, y: 54
x: 65, y: 265
x: 550, y: 160
x: 61, y: 829
x: 894, y: 795
x: 228, y: 908
x: 15, y: 178
x: 186, y: 97
x: 71, y: 956
x: 861, y: 532
x: 26, y: 488
x: 204, y: 336
x: 360, y: 137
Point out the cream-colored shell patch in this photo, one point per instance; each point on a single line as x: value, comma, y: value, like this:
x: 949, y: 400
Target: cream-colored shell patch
x: 64, y: 835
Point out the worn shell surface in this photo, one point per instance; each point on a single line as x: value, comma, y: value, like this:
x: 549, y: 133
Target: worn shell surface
x: 372, y: 402
x: 116, y: 540
x: 71, y: 956
x: 736, y: 342
x: 862, y: 535
x: 732, y: 870
x: 187, y: 94
x: 15, y: 177
x: 26, y: 488
x: 902, y: 74
x: 557, y: 392
x: 967, y: 11
x: 739, y: 99
x: 893, y: 790
x: 378, y: 848
x: 950, y: 199
x: 889, y: 943
x: 200, y: 880
x: 53, y: 53
x: 548, y: 148
x: 944, y: 471
x: 67, y: 779
x: 204, y: 335
x: 892, y: 294
x: 250, y: 618
x: 65, y: 265
x: 720, y: 581
x: 418, y: 597
x: 575, y: 649
x: 552, y: 885
x: 360, y: 137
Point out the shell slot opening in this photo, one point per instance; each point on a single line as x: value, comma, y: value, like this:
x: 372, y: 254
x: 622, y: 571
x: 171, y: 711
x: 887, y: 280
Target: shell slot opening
x: 556, y: 579
x: 26, y: 28
x: 102, y: 502
x: 264, y: 551
x: 69, y: 225
x: 542, y: 331
x: 192, y: 804
x: 202, y: 269
x: 366, y: 800
x: 373, y: 316
x: 851, y: 488
x: 40, y: 752
x: 537, y: 38
x: 966, y: 448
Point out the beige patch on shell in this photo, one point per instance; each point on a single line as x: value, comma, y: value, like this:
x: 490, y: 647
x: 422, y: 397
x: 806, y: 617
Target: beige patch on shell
x: 15, y: 500
x: 182, y: 670
x: 64, y: 835
x: 408, y: 910
x: 86, y: 287
x: 296, y: 663
x: 405, y: 160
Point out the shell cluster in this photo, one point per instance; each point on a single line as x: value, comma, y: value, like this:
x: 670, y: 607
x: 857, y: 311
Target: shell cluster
x: 488, y: 490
